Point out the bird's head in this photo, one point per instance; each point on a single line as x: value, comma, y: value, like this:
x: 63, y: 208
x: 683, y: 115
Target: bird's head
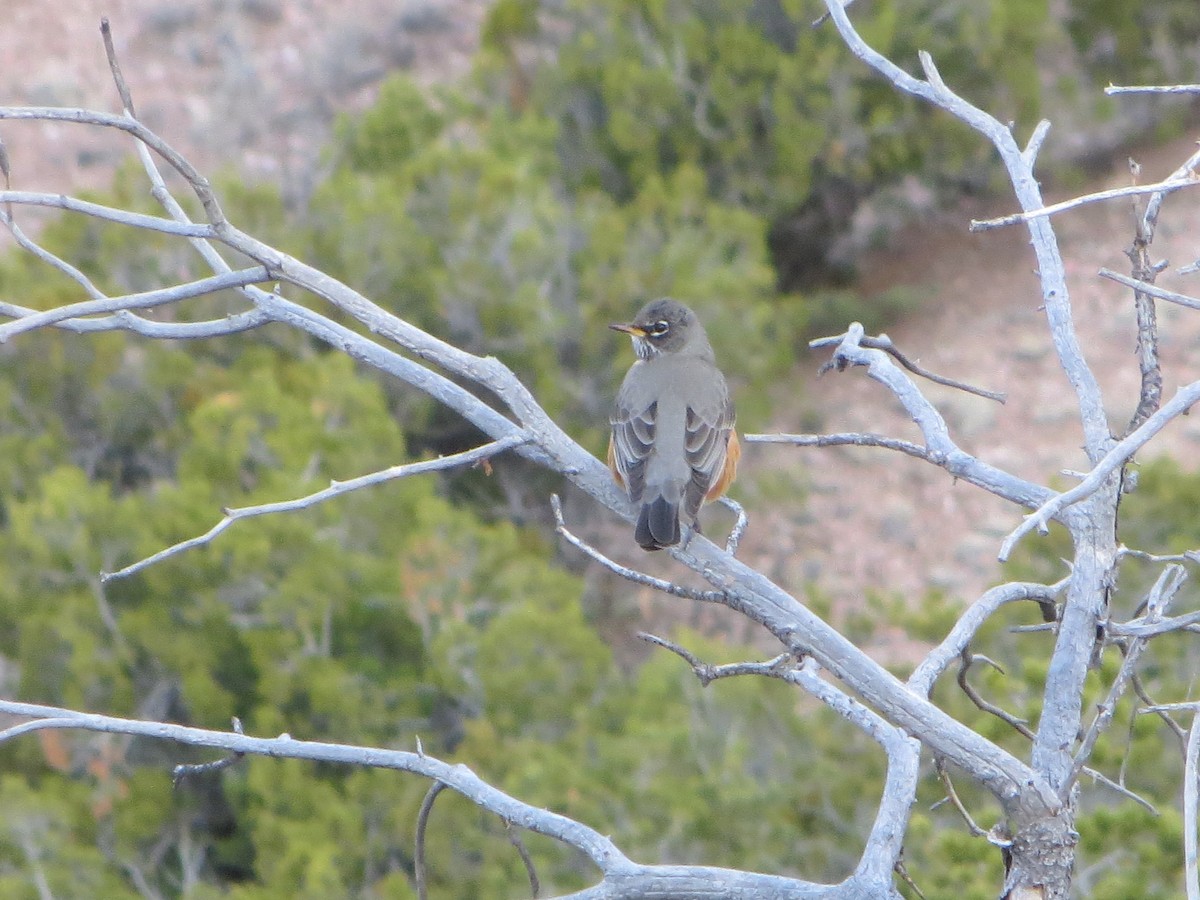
x: 665, y: 326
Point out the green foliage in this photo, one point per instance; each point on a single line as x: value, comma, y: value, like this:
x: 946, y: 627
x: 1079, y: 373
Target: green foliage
x: 1135, y: 44
x: 763, y: 104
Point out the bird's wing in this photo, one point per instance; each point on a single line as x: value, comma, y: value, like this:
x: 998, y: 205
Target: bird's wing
x: 706, y: 444
x: 632, y: 440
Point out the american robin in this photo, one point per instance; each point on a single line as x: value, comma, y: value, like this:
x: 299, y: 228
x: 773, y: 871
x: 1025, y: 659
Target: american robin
x: 673, y: 446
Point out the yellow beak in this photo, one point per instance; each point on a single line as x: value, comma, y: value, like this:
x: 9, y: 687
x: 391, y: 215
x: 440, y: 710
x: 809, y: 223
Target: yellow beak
x: 628, y: 329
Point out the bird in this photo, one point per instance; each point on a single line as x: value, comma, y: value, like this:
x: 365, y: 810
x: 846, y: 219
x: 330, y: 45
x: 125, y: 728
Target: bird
x: 673, y: 445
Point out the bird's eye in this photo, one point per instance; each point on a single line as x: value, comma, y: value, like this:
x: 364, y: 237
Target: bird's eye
x: 659, y: 328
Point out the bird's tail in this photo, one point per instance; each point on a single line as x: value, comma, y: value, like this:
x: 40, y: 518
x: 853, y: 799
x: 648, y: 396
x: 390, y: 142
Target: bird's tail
x: 658, y: 524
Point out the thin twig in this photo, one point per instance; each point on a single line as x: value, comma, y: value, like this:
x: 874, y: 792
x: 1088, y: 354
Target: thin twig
x: 739, y: 525
x: 1186, y: 170
x: 884, y: 343
x: 1169, y: 581
x: 1034, y: 145
x: 1144, y: 628
x: 968, y: 659
x: 824, y: 17
x: 335, y: 489
x: 1119, y: 788
x: 47, y: 724
x: 123, y: 320
x: 51, y: 259
x: 114, y: 67
x: 1130, y: 733
x: 1151, y: 290
x: 885, y: 843
x: 1152, y: 89
x: 1181, y: 706
x: 107, y: 213
x: 144, y: 300
x: 419, y: 843
x: 841, y: 439
x: 1117, y: 455
x: 197, y: 182
x: 1098, y: 197
x: 514, y: 838
x: 902, y: 870
x: 939, y: 764
x: 1192, y: 556
x: 183, y: 771
x: 707, y: 673
x: 1151, y: 707
x: 1039, y: 628
x: 659, y: 584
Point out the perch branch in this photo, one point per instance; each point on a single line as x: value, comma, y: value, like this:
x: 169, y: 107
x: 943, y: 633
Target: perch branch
x: 747, y: 590
x: 658, y: 584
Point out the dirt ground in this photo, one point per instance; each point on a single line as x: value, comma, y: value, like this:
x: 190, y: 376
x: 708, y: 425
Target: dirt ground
x: 255, y: 84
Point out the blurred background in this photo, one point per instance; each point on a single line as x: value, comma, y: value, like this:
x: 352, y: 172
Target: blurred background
x: 512, y: 176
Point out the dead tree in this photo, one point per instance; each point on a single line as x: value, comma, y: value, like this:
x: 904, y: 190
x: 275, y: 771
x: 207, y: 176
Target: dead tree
x: 1038, y: 794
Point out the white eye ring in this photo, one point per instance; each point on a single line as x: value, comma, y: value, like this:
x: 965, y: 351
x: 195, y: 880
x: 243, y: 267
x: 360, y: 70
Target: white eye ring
x: 659, y: 328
